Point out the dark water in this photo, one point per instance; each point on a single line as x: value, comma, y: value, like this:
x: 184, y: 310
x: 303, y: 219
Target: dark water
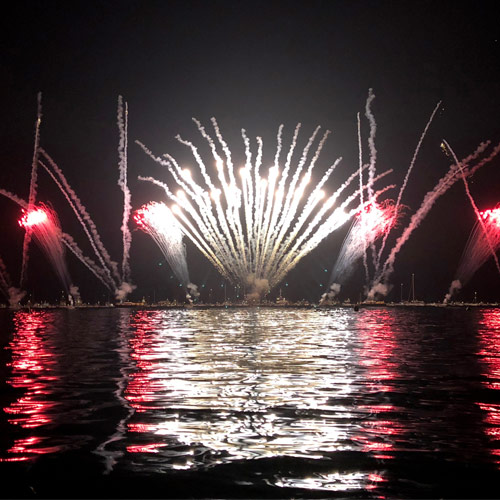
x: 250, y: 403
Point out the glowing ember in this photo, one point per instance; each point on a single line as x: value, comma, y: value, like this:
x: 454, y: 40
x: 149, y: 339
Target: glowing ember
x: 491, y: 217
x: 33, y: 217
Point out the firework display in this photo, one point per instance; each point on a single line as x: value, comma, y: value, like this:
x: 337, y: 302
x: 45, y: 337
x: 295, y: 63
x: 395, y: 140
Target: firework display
x: 256, y: 224
x: 43, y: 225
x: 255, y: 221
x: 483, y: 243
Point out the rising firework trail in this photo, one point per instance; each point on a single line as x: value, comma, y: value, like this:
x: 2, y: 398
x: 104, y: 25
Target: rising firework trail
x: 33, y: 187
x: 122, y: 182
x: 484, y: 240
x: 43, y: 224
x: 107, y: 270
x: 253, y: 227
x: 157, y: 220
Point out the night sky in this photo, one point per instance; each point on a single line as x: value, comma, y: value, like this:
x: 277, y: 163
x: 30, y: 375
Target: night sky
x: 252, y: 65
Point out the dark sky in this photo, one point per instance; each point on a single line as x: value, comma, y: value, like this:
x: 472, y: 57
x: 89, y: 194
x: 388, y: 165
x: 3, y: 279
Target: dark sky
x: 252, y: 65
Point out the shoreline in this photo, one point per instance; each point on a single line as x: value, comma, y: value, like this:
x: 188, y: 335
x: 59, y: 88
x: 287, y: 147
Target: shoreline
x: 228, y: 305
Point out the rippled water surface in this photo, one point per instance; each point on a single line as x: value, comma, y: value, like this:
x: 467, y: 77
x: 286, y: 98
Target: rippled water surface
x: 250, y: 403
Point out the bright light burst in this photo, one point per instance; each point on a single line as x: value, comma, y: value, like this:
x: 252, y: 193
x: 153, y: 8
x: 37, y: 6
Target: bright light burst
x: 255, y: 227
x: 34, y: 218
x: 492, y: 219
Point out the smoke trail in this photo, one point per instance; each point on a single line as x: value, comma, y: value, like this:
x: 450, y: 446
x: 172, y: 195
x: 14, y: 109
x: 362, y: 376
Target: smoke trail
x: 371, y: 141
x: 361, y: 197
x: 22, y: 203
x: 12, y: 294
x: 332, y: 293
x: 454, y: 287
x: 122, y: 182
x: 97, y: 271
x: 407, y: 176
x: 110, y: 267
x: 33, y: 187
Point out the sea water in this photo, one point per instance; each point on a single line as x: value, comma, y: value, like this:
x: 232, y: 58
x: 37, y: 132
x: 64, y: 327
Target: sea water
x: 250, y: 403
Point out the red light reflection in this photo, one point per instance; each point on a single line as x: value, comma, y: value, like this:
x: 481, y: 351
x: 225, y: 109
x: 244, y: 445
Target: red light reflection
x: 142, y: 386
x: 31, y: 370
x: 376, y: 356
x: 489, y: 354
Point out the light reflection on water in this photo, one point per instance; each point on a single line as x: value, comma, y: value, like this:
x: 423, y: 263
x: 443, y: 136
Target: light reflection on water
x: 32, y: 368
x: 232, y: 389
x: 489, y: 354
x: 167, y: 390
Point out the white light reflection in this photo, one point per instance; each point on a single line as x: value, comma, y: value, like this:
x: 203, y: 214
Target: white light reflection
x: 337, y: 481
x: 262, y: 387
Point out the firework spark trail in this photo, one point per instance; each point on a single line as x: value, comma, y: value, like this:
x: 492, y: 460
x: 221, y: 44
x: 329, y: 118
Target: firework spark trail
x: 337, y: 219
x: 370, y: 224
x: 122, y: 182
x: 474, y: 206
x: 157, y: 220
x: 43, y: 223
x: 253, y: 230
x: 316, y: 195
x: 483, y: 239
x: 452, y: 176
x: 33, y: 187
x: 203, y: 243
x: 405, y: 181
x: 110, y: 267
